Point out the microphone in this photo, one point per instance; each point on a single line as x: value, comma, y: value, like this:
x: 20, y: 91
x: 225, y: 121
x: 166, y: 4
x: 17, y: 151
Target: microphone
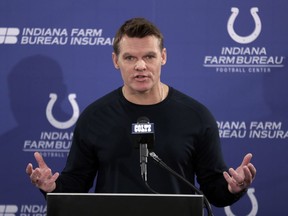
x: 144, y: 131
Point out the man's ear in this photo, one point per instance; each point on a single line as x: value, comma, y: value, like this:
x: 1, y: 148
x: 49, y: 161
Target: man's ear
x: 164, y: 56
x: 115, y: 60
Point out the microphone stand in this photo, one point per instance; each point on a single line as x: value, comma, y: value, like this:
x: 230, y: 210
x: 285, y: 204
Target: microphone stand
x: 143, y: 160
x: 143, y: 165
x: 165, y: 166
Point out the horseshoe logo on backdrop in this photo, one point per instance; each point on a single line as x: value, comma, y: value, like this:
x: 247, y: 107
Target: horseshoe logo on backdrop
x: 65, y: 124
x: 253, y: 35
x: 253, y: 200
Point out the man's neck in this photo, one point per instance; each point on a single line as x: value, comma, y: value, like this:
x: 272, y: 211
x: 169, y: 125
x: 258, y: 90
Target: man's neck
x: 146, y: 98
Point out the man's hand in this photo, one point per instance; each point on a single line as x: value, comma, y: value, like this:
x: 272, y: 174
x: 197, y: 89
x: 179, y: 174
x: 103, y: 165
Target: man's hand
x: 42, y: 176
x: 242, y: 177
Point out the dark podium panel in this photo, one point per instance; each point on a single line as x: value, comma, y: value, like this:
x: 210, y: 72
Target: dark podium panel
x: 75, y: 204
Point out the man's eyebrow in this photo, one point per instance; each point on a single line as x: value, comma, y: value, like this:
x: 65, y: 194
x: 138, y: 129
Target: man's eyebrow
x: 151, y: 53
x: 126, y: 54
x: 148, y: 53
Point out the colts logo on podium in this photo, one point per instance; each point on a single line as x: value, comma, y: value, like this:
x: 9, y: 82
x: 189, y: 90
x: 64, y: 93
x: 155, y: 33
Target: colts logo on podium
x: 64, y: 124
x: 241, y: 39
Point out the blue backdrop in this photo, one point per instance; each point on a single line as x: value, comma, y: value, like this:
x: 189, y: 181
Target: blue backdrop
x: 55, y: 59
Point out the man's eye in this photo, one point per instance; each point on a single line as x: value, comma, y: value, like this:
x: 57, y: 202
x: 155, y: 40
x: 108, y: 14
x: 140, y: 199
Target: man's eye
x: 150, y: 57
x: 129, y: 58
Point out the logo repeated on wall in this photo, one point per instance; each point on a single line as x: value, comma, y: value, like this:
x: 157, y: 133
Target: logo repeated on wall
x: 67, y: 124
x: 8, y: 210
x: 23, y: 210
x: 252, y: 129
x: 244, y: 39
x: 9, y: 35
x: 244, y: 57
x: 54, y: 36
x: 55, y: 143
x: 254, y: 205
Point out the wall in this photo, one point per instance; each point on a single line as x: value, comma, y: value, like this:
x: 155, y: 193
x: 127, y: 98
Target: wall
x: 63, y: 49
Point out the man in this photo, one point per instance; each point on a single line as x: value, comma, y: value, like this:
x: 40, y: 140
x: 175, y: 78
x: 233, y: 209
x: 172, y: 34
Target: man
x: 186, y: 133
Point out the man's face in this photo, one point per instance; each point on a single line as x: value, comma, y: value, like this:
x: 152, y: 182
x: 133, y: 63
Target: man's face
x: 140, y: 61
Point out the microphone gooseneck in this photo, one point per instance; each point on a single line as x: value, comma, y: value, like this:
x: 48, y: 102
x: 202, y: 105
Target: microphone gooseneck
x: 166, y: 167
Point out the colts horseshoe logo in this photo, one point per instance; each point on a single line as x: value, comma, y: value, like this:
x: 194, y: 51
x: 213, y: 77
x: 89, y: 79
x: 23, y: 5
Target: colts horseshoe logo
x: 253, y: 35
x: 66, y: 124
x: 253, y: 200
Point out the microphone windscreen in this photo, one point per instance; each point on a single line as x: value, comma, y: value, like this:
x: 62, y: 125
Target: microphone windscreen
x: 143, y: 119
x: 143, y: 132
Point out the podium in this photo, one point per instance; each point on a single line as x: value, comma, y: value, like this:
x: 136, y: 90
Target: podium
x: 99, y: 204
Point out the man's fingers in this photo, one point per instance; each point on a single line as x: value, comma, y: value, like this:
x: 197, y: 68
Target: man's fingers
x: 42, y: 176
x: 55, y: 177
x: 46, y: 174
x: 250, y: 173
x: 237, y: 178
x: 47, y: 182
x: 246, y: 159
x: 29, y: 169
x: 40, y: 160
x: 227, y: 177
x: 35, y: 175
x: 252, y: 170
x: 242, y: 177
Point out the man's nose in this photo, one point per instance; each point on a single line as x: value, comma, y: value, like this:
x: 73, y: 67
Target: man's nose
x: 140, y: 65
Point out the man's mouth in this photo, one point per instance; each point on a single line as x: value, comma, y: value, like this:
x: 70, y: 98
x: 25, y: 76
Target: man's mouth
x: 140, y: 76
